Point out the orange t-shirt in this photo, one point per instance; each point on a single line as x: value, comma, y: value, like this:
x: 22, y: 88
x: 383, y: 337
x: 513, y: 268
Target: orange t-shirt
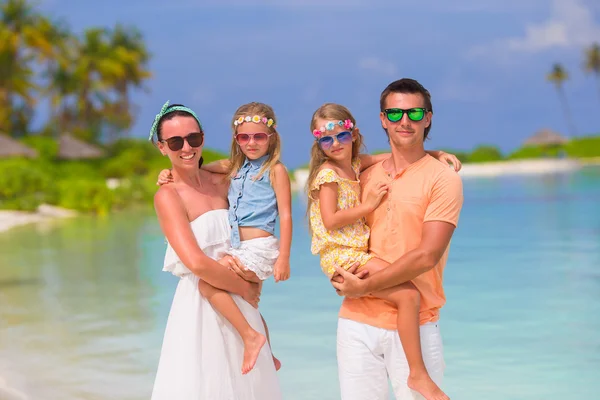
x: 426, y: 190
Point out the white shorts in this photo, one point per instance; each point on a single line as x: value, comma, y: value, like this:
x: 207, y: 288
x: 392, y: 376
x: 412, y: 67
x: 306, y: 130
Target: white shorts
x: 258, y: 255
x: 367, y: 356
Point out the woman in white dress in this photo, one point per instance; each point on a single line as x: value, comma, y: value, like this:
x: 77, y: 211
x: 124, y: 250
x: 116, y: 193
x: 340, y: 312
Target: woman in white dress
x: 201, y: 352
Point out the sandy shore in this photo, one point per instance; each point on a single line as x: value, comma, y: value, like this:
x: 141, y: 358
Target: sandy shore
x: 520, y: 167
x: 10, y: 219
x: 494, y: 169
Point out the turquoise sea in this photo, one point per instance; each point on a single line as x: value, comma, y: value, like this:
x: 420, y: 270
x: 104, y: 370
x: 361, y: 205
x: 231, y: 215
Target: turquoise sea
x: 83, y: 302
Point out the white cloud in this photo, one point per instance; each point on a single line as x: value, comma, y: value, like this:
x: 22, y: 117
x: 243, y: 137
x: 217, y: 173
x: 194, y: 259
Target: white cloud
x: 378, y: 66
x: 571, y: 24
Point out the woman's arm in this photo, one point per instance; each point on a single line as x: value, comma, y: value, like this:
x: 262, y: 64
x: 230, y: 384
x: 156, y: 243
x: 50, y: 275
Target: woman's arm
x: 283, y: 194
x: 218, y: 167
x: 176, y: 227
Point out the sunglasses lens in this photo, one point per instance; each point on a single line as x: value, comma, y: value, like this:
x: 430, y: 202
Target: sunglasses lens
x: 260, y: 138
x: 416, y: 114
x: 242, y: 138
x: 344, y: 137
x: 175, y: 143
x: 195, y: 139
x: 326, y: 142
x: 395, y: 115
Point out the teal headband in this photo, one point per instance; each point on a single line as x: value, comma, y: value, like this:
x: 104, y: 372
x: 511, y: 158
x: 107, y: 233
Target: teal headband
x: 166, y: 109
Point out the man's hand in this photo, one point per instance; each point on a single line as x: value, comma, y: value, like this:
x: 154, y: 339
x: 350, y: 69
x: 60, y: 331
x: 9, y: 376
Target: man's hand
x: 339, y: 278
x: 348, y: 284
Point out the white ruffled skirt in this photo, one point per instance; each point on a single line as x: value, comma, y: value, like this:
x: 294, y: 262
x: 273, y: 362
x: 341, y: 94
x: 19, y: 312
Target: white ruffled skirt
x: 258, y: 255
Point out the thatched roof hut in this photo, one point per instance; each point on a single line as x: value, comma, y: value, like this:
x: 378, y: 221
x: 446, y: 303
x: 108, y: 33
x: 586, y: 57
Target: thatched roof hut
x: 545, y: 137
x: 12, y: 148
x: 70, y: 148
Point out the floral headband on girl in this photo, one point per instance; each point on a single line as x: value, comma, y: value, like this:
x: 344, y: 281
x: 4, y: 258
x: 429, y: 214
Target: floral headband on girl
x: 257, y: 119
x: 347, y: 124
x: 168, y: 109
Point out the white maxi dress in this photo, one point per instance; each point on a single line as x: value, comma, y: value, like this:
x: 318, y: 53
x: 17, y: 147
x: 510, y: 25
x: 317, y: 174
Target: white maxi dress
x: 201, y: 355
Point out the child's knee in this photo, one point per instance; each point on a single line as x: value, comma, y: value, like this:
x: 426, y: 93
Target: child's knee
x: 205, y: 289
x: 410, y: 295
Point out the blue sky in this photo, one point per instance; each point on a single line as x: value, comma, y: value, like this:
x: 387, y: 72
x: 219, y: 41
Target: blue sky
x: 484, y: 62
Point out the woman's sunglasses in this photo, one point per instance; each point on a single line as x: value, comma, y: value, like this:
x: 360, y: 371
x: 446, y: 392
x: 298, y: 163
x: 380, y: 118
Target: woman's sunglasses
x: 175, y: 143
x: 326, y: 142
x: 414, y: 114
x: 259, y: 138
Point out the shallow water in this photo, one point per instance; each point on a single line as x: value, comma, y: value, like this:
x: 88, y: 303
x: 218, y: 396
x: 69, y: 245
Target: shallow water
x: 83, y: 302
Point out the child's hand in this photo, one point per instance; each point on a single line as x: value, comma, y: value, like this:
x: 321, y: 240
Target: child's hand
x: 375, y: 195
x: 164, y: 177
x: 281, y: 271
x: 448, y: 158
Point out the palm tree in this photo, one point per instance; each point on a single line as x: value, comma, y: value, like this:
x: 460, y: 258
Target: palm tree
x: 558, y: 75
x: 18, y: 38
x: 95, y: 72
x: 131, y: 52
x: 592, y: 62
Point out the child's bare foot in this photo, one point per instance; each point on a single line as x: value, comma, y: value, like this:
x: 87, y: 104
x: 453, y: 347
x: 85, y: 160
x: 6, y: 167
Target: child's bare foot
x: 423, y: 384
x: 277, y: 363
x: 252, y: 345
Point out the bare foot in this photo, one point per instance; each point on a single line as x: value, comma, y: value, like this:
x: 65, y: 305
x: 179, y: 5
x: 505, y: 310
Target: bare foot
x: 252, y: 345
x: 277, y: 363
x: 427, y: 387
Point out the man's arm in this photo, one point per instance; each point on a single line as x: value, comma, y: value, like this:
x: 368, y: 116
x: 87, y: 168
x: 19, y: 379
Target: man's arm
x: 434, y: 242
x: 439, y: 223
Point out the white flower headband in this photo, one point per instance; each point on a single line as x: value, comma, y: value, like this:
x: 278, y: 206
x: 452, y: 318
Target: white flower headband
x: 347, y: 124
x: 257, y: 119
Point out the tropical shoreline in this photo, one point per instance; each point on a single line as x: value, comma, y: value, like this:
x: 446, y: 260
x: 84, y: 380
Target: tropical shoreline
x: 10, y: 219
x: 495, y: 169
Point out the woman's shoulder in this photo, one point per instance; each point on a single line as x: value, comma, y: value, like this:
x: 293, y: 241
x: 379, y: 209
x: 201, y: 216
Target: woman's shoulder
x: 166, y: 194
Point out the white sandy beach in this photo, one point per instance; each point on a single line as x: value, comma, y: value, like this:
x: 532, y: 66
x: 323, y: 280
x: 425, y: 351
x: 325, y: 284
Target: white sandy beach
x: 10, y: 219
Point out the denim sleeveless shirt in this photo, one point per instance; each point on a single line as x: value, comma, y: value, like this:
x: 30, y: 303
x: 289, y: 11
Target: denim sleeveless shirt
x: 251, y: 202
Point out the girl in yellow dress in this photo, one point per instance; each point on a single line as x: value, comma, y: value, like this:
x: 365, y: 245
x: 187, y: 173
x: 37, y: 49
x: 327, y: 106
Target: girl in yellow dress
x: 340, y: 234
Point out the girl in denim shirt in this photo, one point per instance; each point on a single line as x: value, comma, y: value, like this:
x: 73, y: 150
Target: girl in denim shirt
x: 259, y: 192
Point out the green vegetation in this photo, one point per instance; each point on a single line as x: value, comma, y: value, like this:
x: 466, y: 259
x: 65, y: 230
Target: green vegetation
x: 583, y: 147
x: 82, y: 185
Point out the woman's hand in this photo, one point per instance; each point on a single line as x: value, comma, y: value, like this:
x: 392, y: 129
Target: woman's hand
x: 164, y: 177
x: 252, y: 292
x: 236, y: 266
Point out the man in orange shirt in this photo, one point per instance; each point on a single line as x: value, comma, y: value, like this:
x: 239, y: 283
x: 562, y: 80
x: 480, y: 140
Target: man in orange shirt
x: 411, y: 229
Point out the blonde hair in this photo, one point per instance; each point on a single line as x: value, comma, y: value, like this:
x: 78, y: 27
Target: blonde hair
x: 329, y: 111
x: 237, y: 157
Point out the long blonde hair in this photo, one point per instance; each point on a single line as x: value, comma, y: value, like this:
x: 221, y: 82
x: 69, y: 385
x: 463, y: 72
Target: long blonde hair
x: 329, y: 111
x: 237, y: 157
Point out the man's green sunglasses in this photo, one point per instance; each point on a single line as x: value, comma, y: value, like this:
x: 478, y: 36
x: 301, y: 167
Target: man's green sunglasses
x: 396, y: 114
